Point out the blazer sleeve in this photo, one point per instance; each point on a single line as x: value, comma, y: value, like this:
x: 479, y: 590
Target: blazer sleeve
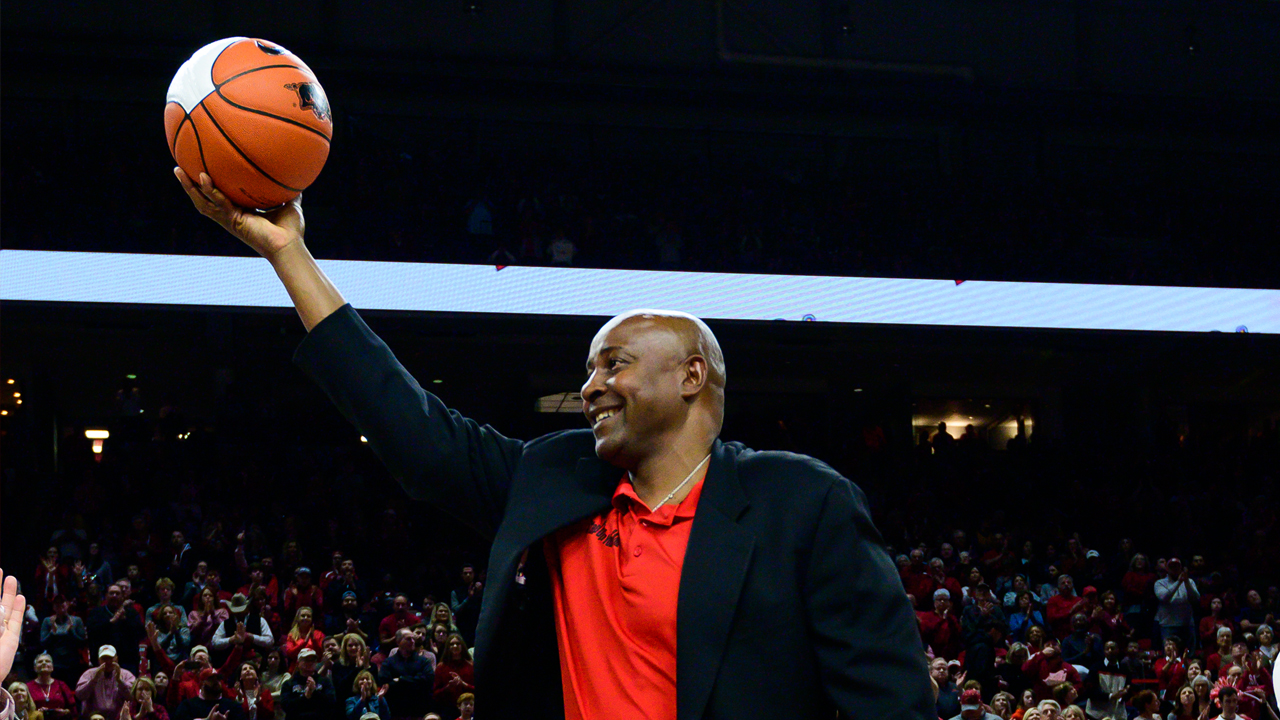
x: 435, y: 453
x: 864, y: 631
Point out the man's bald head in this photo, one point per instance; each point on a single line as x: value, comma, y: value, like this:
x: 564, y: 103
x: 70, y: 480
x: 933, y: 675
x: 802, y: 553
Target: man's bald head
x: 663, y: 372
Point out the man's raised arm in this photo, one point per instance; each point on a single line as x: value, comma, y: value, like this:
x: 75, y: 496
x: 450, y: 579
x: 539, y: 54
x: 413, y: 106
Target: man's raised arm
x: 276, y: 236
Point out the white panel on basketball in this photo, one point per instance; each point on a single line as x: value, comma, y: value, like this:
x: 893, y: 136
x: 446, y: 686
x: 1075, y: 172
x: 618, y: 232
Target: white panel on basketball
x: 194, y: 80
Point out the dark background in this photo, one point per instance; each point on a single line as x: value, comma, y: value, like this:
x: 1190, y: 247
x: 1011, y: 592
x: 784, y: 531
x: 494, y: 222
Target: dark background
x: 1109, y: 141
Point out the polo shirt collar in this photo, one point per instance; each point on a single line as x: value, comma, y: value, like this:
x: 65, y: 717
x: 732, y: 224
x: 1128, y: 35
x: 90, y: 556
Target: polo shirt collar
x: 625, y: 498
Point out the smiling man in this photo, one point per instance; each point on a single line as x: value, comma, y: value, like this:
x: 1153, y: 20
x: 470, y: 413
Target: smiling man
x: 671, y: 574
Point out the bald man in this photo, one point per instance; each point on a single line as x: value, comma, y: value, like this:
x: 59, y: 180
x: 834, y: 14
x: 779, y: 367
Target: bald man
x: 642, y: 568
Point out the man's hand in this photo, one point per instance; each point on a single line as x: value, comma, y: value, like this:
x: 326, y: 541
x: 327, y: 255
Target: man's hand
x: 124, y: 712
x: 216, y: 714
x: 267, y: 233
x: 12, y: 607
x: 119, y: 614
x: 241, y: 634
x: 152, y: 631
x: 311, y: 686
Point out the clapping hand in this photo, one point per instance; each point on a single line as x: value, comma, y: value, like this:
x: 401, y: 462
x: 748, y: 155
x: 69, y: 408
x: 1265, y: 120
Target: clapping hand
x: 216, y: 714
x: 311, y: 686
x: 12, y: 607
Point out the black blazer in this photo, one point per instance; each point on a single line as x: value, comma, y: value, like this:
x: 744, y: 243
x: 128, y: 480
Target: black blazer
x: 789, y: 606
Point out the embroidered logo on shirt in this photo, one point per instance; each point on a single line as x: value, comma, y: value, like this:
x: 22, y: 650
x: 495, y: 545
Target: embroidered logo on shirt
x: 610, y: 539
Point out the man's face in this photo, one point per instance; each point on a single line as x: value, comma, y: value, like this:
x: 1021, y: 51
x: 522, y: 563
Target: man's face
x: 401, y: 605
x: 1065, y: 585
x: 936, y: 567
x: 107, y: 661
x: 1111, y: 650
x: 202, y: 568
x: 972, y: 714
x: 1133, y: 649
x: 201, y: 658
x: 307, y: 666
x: 1230, y: 704
x: 134, y: 573
x: 268, y: 565
x: 635, y: 378
x: 164, y: 592
x: 348, y: 567
x: 1254, y: 598
x: 211, y: 686
x: 337, y: 560
x: 941, y: 604
x: 178, y: 539
x: 917, y: 557
x: 114, y: 596
x: 349, y: 604
x: 255, y: 576
x: 405, y: 643
x: 468, y: 576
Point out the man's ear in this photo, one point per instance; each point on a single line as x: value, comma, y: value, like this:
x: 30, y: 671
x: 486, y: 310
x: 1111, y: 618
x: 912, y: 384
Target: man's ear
x: 695, y: 376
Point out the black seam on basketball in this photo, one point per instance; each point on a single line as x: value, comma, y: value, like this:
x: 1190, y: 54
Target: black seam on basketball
x: 264, y: 113
x: 241, y: 152
x: 199, y: 145
x: 251, y: 70
x: 173, y: 146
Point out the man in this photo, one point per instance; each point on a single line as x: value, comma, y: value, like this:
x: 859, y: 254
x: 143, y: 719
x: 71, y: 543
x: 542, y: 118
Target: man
x: 1109, y: 683
x: 1062, y: 606
x: 199, y: 577
x: 308, y: 695
x: 119, y: 624
x: 916, y: 579
x: 948, y: 702
x: 971, y: 707
x: 1081, y: 648
x: 408, y: 675
x: 401, y: 617
x: 348, y: 619
x: 212, y: 703
x: 346, y: 582
x: 1047, y: 670
x: 334, y: 571
x: 1229, y: 699
x: 301, y: 593
x: 1176, y: 599
x: 940, y: 628
x: 104, y: 689
x: 180, y: 562
x: 599, y: 525
x: 63, y: 636
x: 984, y: 627
x: 940, y: 581
x: 243, y: 628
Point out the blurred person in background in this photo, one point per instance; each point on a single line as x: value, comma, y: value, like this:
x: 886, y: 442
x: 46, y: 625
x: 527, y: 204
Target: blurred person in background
x: 142, y: 704
x: 1211, y: 623
x: 24, y: 707
x: 206, y: 616
x: 164, y: 596
x: 105, y: 688
x: 119, y: 624
x: 302, y: 636
x: 273, y: 677
x: 254, y: 697
x: 1176, y: 600
x: 454, y: 675
x: 52, y: 696
x: 211, y: 702
x: 308, y: 695
x: 64, y: 637
x: 168, y: 635
x: 409, y: 674
x: 301, y: 593
x: 244, y: 626
x: 353, y: 658
x: 52, y: 577
x: 365, y: 696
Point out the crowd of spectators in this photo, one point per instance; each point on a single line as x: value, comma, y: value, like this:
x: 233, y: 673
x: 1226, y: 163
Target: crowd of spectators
x: 432, y: 196
x: 320, y: 596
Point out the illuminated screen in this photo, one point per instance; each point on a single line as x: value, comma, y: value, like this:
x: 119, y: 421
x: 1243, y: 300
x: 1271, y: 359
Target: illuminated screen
x: 67, y: 277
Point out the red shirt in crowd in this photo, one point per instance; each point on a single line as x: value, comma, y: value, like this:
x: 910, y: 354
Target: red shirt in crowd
x: 616, y: 581
x: 941, y: 634
x: 445, y: 692
x: 393, y: 622
x: 1039, y: 668
x: 1171, y: 674
x: 57, y: 696
x: 918, y: 585
x: 1058, y: 612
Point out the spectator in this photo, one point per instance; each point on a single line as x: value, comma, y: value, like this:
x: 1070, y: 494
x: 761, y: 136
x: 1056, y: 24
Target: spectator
x: 210, y: 702
x: 916, y: 578
x: 1267, y: 643
x: 352, y: 659
x: 442, y: 615
x: 301, y: 593
x: 409, y: 674
x: 1210, y: 624
x: 161, y: 680
x: 1229, y: 699
x: 52, y: 696
x: 1002, y: 705
x: 1082, y: 648
x: 1009, y: 673
x: 1139, y: 590
x: 308, y: 695
x: 940, y: 581
x: 93, y: 569
x: 438, y: 639
x: 206, y: 616
x: 259, y: 581
x: 1254, y: 614
x: 466, y: 706
x: 1062, y: 606
x: 244, y: 628
x: 164, y: 596
x: 1184, y: 706
x: 169, y: 634
x: 401, y: 617
x: 24, y: 708
x: 346, y: 582
x: 984, y: 628
x: 1049, y: 709
x: 275, y: 676
x: 366, y: 697
x: 1036, y: 638
x: 940, y: 628
x: 334, y: 571
x: 185, y: 682
x: 1107, y: 622
x: 180, y: 562
x: 52, y: 577
x: 561, y: 249
x: 1171, y: 670
x: 454, y: 674
x: 348, y: 618
x: 199, y: 578
x: 142, y: 703
x: 302, y: 636
x: 1214, y: 662
x: 117, y: 624
x: 971, y: 707
x: 1024, y: 616
x: 462, y: 594
x: 64, y: 637
x: 1047, y: 669
x: 1108, y: 684
x: 1203, y: 688
x: 1012, y: 587
x: 254, y: 697
x: 105, y: 688
x: 1176, y: 597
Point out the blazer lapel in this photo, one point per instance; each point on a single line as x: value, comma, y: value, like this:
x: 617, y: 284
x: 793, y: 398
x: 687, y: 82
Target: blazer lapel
x: 715, y: 566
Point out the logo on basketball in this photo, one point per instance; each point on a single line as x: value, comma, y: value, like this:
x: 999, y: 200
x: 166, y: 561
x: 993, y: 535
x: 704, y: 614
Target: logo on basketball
x: 269, y: 49
x: 311, y: 97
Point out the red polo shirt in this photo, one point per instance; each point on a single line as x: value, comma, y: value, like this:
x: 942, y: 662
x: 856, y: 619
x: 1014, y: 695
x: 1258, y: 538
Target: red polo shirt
x: 616, y: 580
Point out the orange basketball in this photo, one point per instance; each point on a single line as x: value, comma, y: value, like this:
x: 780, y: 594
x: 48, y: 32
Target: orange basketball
x: 251, y: 115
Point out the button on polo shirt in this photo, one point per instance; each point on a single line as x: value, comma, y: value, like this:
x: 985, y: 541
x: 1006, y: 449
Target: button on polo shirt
x: 616, y: 582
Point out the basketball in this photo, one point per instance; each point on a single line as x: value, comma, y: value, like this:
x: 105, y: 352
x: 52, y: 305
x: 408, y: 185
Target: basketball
x: 253, y: 116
